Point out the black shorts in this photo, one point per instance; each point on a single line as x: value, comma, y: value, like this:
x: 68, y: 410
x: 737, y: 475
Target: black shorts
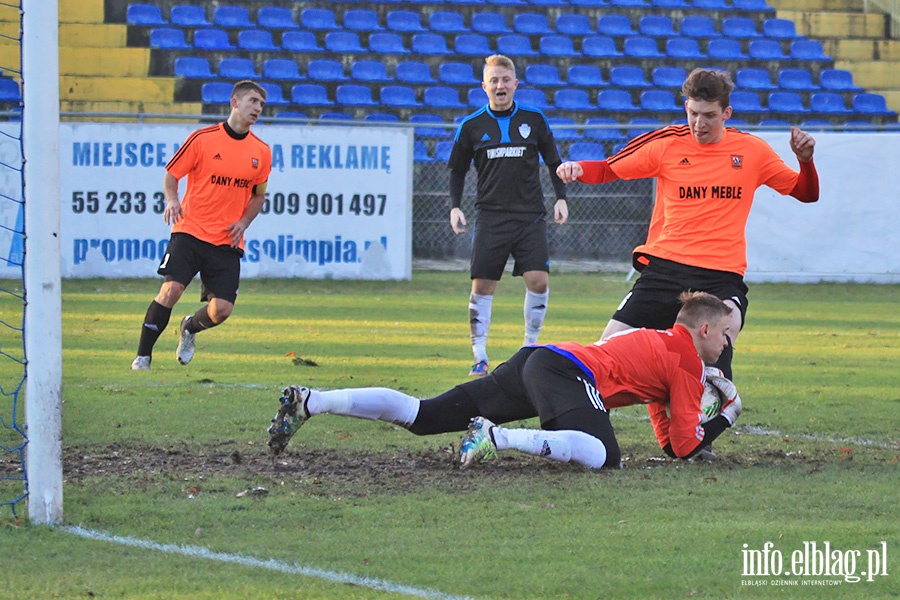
x: 501, y: 234
x: 653, y: 300
x: 219, y: 266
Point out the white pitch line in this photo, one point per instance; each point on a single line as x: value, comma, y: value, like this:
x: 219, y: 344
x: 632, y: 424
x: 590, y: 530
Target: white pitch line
x: 270, y: 564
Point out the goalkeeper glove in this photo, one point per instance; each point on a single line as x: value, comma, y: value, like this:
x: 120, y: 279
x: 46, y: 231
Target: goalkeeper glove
x: 731, y: 406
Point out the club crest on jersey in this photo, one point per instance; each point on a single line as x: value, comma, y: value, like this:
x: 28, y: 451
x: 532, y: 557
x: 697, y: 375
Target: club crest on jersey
x: 524, y: 130
x: 255, y: 162
x: 737, y: 162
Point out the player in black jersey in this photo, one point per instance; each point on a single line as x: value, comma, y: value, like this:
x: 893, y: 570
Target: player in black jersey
x: 506, y: 141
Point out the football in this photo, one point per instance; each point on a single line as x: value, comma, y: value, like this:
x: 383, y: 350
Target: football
x: 710, y: 402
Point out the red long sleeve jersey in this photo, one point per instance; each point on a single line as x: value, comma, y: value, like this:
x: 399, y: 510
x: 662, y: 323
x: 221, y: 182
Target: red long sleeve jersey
x: 653, y: 367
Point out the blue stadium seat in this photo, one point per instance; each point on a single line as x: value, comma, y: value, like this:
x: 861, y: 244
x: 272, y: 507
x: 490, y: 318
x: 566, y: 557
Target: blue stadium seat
x: 193, y: 67
x: 564, y: 133
x: 642, y: 47
x: 318, y: 19
x: 216, y: 92
x: 668, y: 77
x: 752, y: 6
x: 513, y: 44
x: 144, y: 15
x: 589, y: 3
x: 558, y: 45
x: 489, y: 22
x: 168, y: 38
x: 786, y: 102
x: 381, y: 118
x: 740, y: 28
x: 354, y: 94
x: 335, y: 116
x: 543, y: 76
x: 871, y: 104
x: 440, y: 96
x: 300, y: 41
x: 362, y: 19
x: 457, y: 73
x: 282, y: 69
x: 572, y: 99
x: 476, y: 97
x: 237, y: 68
x: 232, y: 17
x: 711, y: 5
x: 660, y: 101
x: 387, y: 43
x: 808, y: 50
x: 212, y: 39
x: 838, y: 80
x: 532, y: 97
x: 189, y: 15
x: 574, y: 25
x: 628, y: 76
x: 779, y: 123
x: 424, y: 131
x: 444, y: 21
x: 605, y: 134
x: 726, y: 49
x: 746, y: 103
x: 256, y: 40
x: 429, y: 43
x: 766, y: 49
x: 670, y: 3
x: 656, y: 26
x: 828, y: 102
x: 370, y: 70
x: 600, y: 46
x: 414, y: 71
x: 641, y: 125
x: 683, y: 47
x: 754, y: 79
x: 796, y: 80
x: 629, y: 3
x: 404, y: 21
x: 589, y: 76
x: 472, y: 44
x: 442, y: 151
x: 531, y: 24
x: 275, y: 18
x: 344, y: 42
x: 780, y: 29
x: 274, y: 95
x: 699, y: 26
x: 618, y: 147
x: 586, y: 151
x: 616, y: 101
x: 420, y: 152
x: 325, y: 69
x: 615, y: 25
x: 399, y: 96
x: 310, y: 94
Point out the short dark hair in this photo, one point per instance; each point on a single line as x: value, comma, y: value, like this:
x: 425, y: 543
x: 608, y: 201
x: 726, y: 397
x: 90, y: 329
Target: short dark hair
x: 242, y: 87
x: 710, y: 85
x: 700, y: 307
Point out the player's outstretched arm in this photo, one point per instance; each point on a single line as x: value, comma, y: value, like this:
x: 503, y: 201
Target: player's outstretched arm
x: 569, y: 171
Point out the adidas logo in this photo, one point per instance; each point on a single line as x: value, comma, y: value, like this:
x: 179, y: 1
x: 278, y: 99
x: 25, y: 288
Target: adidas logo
x: 485, y: 138
x: 217, y: 157
x: 684, y: 163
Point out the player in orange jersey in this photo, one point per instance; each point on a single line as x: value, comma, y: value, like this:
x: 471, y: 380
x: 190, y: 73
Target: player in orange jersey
x: 706, y: 176
x: 227, y: 169
x: 569, y: 386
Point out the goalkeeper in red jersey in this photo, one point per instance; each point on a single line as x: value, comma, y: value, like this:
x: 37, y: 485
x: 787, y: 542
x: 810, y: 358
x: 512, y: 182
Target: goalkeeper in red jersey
x: 568, y: 386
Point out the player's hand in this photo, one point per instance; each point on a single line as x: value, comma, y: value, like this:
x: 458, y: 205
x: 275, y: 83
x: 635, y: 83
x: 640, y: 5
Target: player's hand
x: 802, y: 144
x: 731, y: 406
x: 561, y: 211
x: 714, y: 372
x: 569, y: 171
x: 457, y: 221
x: 235, y: 233
x: 173, y: 212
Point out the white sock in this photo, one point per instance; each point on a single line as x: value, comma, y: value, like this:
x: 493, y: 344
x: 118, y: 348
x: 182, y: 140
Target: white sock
x: 563, y: 446
x: 479, y: 323
x: 373, y: 404
x: 535, y: 311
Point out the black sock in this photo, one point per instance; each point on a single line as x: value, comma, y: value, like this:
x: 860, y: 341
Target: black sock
x: 200, y: 321
x: 155, y: 322
x: 724, y: 362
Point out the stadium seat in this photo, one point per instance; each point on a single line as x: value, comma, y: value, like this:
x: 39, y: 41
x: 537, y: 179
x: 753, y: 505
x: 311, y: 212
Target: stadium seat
x: 629, y: 3
x: 600, y: 46
x: 726, y: 49
x: 489, y: 22
x: 344, y: 42
x: 318, y: 19
x: 514, y: 44
x: 189, y: 15
x: 615, y: 100
x: 531, y: 24
x: 557, y: 45
x: 362, y: 20
x: 605, y: 134
x: 660, y: 101
x: 641, y: 125
x: 420, y: 152
x: 699, y: 26
x: 144, y: 15
x: 670, y: 3
x: 711, y: 5
x: 168, y: 38
x: 656, y: 26
x: 310, y: 94
x: 275, y: 18
x: 808, y: 50
x: 754, y: 79
x: 683, y: 47
x: 472, y: 44
x: 300, y: 41
x: 387, y: 43
x: 828, y: 102
x: 325, y: 69
x: 871, y: 104
x: 589, y: 3
x: 838, y: 80
x: 429, y: 132
x: 564, y: 133
x: 444, y: 21
x: 628, y: 76
x: 574, y: 25
x: 232, y: 17
x: 442, y: 97
x: 752, y: 6
x: 212, y: 39
x: 237, y: 68
x: 642, y: 47
x: 442, y: 150
x: 766, y: 49
x: 572, y: 99
x: 216, y: 92
x: 796, y: 80
x: 780, y: 29
x: 256, y: 40
x: 399, y: 96
x: 370, y: 70
x: 615, y: 25
x: 354, y: 94
x: 414, y: 72
x: 335, y: 116
x: 740, y: 28
x: 589, y: 76
x: 668, y: 77
x: 404, y: 21
x: 586, y: 151
x: 274, y: 95
x: 476, y: 97
x: 787, y: 103
x: 381, y: 118
x: 429, y: 43
x: 746, y: 103
x: 532, y: 97
x: 193, y: 67
x: 456, y: 73
x: 543, y: 76
x: 282, y: 69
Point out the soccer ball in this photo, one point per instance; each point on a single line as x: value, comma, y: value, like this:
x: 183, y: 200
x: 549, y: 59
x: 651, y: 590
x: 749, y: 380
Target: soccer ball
x: 710, y: 402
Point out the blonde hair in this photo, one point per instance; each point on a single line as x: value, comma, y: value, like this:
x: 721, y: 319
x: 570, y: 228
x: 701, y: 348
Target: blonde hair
x: 498, y: 60
x: 698, y: 308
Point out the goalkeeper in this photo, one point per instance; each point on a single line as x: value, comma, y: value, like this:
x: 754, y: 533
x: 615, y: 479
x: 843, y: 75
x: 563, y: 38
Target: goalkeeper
x: 569, y: 386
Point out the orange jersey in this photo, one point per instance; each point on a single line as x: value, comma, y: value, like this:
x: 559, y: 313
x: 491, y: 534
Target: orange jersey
x: 703, y: 194
x: 222, y: 172
x: 659, y: 368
